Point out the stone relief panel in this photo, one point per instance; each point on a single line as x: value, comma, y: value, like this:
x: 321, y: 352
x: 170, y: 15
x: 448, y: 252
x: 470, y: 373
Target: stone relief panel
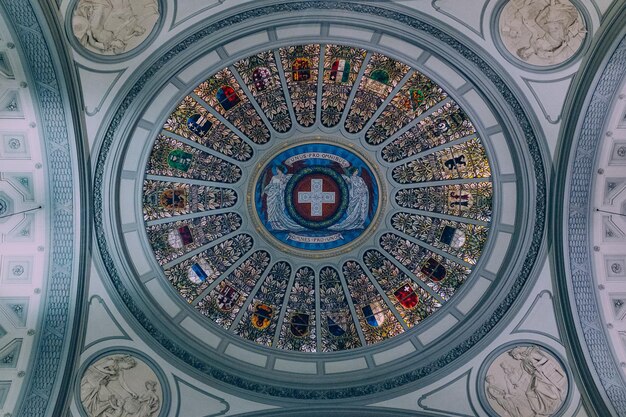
x: 113, y: 27
x: 541, y: 32
x: 120, y: 385
x: 525, y: 381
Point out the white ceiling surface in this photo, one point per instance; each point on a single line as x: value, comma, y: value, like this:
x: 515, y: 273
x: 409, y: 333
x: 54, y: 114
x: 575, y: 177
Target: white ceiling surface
x: 23, y: 237
x: 546, y: 93
x: 609, y: 226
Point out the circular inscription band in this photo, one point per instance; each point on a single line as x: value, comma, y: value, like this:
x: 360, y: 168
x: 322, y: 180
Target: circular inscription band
x: 316, y: 196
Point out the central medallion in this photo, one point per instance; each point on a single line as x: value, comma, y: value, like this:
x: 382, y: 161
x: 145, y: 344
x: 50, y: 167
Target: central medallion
x: 316, y: 196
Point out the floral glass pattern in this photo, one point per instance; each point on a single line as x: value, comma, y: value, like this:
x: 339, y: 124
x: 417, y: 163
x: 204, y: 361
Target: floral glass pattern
x: 381, y: 75
x: 301, y: 68
x: 260, y: 73
x: 223, y: 93
x: 341, y: 67
x: 436, y: 189
x: 224, y: 302
x: 416, y: 96
x: 298, y: 329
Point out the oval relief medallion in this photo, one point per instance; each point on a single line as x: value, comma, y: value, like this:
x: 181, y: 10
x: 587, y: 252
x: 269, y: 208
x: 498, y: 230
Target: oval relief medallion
x: 113, y: 27
x: 526, y: 381
x: 541, y: 32
x: 120, y: 385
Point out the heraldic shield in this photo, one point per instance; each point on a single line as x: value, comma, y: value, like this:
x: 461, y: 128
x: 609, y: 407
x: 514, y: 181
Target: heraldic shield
x: 262, y: 316
x: 407, y: 296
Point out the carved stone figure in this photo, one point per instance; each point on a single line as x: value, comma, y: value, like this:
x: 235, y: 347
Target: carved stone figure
x: 526, y: 381
x: 111, y: 27
x: 120, y: 386
x: 542, y: 32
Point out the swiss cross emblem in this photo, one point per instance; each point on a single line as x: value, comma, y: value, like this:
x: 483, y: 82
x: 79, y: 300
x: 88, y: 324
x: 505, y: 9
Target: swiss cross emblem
x: 316, y: 197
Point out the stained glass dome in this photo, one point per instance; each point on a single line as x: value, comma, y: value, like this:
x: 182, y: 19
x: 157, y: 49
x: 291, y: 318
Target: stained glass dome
x: 317, y: 198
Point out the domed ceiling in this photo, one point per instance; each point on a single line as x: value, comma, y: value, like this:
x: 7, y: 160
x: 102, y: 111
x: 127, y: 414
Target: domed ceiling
x: 277, y: 201
x: 248, y: 227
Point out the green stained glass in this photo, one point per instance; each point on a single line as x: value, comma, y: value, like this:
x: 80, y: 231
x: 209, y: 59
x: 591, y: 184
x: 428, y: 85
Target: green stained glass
x: 473, y: 200
x: 338, y: 329
x: 206, y: 197
x: 460, y: 239
x: 416, y: 96
x: 260, y: 73
x: 223, y: 93
x: 466, y: 160
x: 441, y: 274
x: 381, y: 75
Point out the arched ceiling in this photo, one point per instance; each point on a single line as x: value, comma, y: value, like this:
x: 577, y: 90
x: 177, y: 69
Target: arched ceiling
x: 409, y: 279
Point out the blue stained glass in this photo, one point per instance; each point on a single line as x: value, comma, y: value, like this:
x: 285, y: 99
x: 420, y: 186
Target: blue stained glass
x: 199, y: 272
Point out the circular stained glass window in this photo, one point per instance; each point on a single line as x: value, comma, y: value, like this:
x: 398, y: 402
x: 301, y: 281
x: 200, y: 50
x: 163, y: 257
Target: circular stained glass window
x: 317, y: 198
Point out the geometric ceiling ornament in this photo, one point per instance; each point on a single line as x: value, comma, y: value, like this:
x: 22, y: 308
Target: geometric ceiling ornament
x: 4, y: 392
x: 11, y: 105
x: 6, y: 206
x: 549, y: 96
x: 23, y: 231
x: 540, y: 318
x: 10, y: 353
x: 22, y: 182
x: 453, y: 399
x: 592, y: 234
x: 16, y: 309
x: 472, y: 19
x: 5, y: 66
x: 319, y: 208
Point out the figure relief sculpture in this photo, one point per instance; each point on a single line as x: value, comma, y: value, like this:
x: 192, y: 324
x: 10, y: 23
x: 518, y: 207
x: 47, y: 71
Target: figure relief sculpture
x: 526, y: 381
x: 112, y: 27
x: 120, y: 386
x: 542, y: 32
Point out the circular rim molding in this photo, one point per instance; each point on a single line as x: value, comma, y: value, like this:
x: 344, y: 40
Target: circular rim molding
x: 386, y: 374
